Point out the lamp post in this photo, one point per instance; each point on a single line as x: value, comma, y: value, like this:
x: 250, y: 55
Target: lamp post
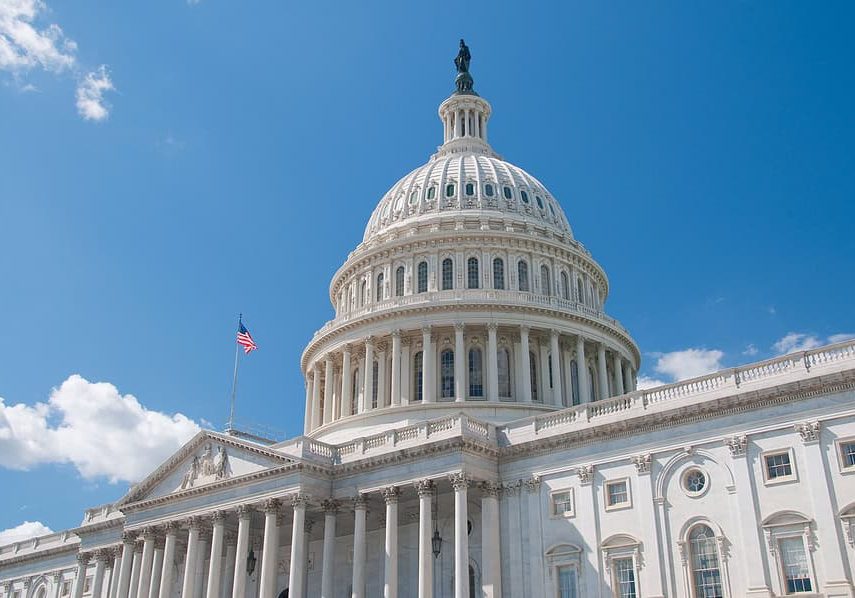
x: 436, y: 539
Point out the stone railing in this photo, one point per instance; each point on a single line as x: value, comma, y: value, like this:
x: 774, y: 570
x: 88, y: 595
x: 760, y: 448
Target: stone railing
x: 483, y: 296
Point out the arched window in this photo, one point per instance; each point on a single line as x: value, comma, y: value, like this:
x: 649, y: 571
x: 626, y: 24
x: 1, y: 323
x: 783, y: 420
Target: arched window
x: 565, y: 286
x: 431, y: 192
x: 446, y: 373
x: 472, y: 273
x: 476, y: 378
x: 574, y: 381
x: 532, y: 367
x: 375, y: 384
x: 545, y: 286
x: 498, y: 273
x: 470, y: 189
x: 449, y: 190
x: 354, y: 400
x: 378, y: 293
x: 508, y: 193
x: 418, y: 372
x: 522, y: 275
x: 488, y: 190
x: 363, y: 293
x: 447, y: 274
x: 592, y: 388
x: 422, y: 277
x: 399, y: 281
x: 706, y: 573
x: 549, y: 367
x: 580, y: 291
x: 524, y: 196
x: 504, y: 366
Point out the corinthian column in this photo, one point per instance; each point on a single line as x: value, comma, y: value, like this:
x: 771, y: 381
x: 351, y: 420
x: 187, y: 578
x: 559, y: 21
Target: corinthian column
x: 125, y: 568
x: 307, y: 423
x: 329, y: 386
x: 425, y: 490
x: 602, y: 372
x: 269, y: 550
x: 617, y: 366
x: 346, y: 383
x: 396, y: 369
x: 492, y: 363
x: 582, y: 370
x: 328, y: 562
x: 368, y: 395
x: 244, y: 521
x: 80, y: 577
x: 215, y: 568
x: 168, y: 561
x: 98, y: 580
x: 316, y: 396
x: 145, y: 565
x: 390, y: 586
x: 525, y: 362
x: 156, y: 569
x: 296, y: 581
x: 557, y: 395
x: 360, y: 509
x: 459, y: 363
x: 189, y: 586
x: 491, y: 569
x: 427, y: 366
x: 461, y: 535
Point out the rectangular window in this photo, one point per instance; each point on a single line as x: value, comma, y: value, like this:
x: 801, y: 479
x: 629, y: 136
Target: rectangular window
x: 66, y: 588
x: 794, y: 563
x: 562, y: 503
x: 567, y: 582
x: 617, y: 494
x: 847, y: 454
x: 624, y: 582
x: 87, y: 585
x: 778, y: 466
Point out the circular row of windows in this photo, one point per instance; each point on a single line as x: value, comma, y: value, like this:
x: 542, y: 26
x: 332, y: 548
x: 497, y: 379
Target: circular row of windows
x: 490, y: 190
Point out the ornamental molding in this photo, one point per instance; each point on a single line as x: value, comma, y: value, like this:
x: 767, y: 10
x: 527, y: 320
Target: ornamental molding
x: 425, y: 488
x: 532, y: 485
x: 737, y: 445
x: 391, y: 494
x: 642, y: 463
x: 809, y: 431
x: 490, y: 489
x: 585, y: 473
x: 459, y: 480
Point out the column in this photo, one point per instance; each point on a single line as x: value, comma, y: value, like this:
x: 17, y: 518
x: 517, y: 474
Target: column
x: 316, y: 397
x: 396, y: 368
x: 189, y: 586
x: 461, y: 535
x: 156, y: 569
x: 328, y: 389
x: 491, y: 566
x: 492, y: 363
x: 201, y: 584
x: 582, y: 370
x: 98, y: 578
x: 557, y: 395
x: 742, y: 503
x: 602, y: 372
x: 296, y: 576
x: 381, y: 376
x: 544, y: 388
x: 215, y: 567
x: 346, y: 383
x: 359, y: 510
x: 369, y: 375
x: 56, y: 578
x: 390, y: 582
x: 535, y: 534
x: 80, y: 576
x: 269, y: 549
x: 427, y: 366
x: 328, y: 562
x: 526, y: 367
x: 627, y: 378
x: 168, y: 561
x: 425, y: 490
x: 307, y: 422
x: 406, y: 377
x: 244, y: 522
x: 459, y: 363
x: 125, y: 569
x: 516, y: 574
x: 229, y: 565
x: 135, y: 571
x: 652, y: 571
x: 144, y: 584
x: 567, y: 358
x: 617, y: 365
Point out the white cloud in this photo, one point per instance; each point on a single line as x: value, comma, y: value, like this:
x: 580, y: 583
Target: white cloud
x: 751, y: 350
x: 839, y: 338
x: 688, y: 363
x: 796, y: 341
x: 93, y: 427
x: 90, y: 94
x: 25, y: 531
x: 27, y: 44
x: 645, y: 382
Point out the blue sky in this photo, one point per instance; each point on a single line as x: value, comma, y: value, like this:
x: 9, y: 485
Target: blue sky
x: 165, y: 165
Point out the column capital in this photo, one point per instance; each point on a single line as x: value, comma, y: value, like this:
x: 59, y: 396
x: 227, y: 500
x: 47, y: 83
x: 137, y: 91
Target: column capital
x: 809, y: 431
x: 360, y: 503
x: 170, y: 527
x: 56, y: 577
x: 512, y: 488
x: 218, y: 517
x: 346, y: 349
x: 424, y: 487
x: 102, y: 555
x: 396, y: 333
x: 128, y: 537
x: 426, y: 329
x: 194, y: 522
x: 460, y: 481
x: 532, y: 484
x: 83, y: 558
x: 554, y: 332
x: 641, y: 462
x: 369, y: 341
x: 525, y: 329
x: 490, y: 489
x: 299, y: 500
x: 244, y: 512
x: 459, y: 326
x: 391, y: 494
x: 230, y: 538
x: 737, y: 445
x: 272, y: 505
x: 585, y: 473
x: 117, y: 553
x: 330, y: 505
x: 492, y: 326
x: 149, y: 533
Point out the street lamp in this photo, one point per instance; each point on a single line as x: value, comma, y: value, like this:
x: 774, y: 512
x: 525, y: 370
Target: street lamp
x: 250, y: 562
x: 436, y: 540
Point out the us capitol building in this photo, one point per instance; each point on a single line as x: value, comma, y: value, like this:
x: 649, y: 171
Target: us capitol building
x: 473, y: 429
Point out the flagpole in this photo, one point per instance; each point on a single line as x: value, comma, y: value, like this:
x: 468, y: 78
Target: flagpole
x: 234, y: 381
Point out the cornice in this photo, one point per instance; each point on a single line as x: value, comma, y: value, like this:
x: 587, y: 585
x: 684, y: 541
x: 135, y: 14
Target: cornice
x: 41, y: 554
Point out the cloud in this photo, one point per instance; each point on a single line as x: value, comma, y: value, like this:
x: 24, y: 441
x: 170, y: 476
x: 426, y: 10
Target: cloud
x: 26, y: 45
x: 794, y: 342
x: 839, y: 338
x: 99, y: 431
x: 645, y: 382
x: 25, y: 531
x: 688, y: 363
x: 90, y: 94
x: 751, y: 350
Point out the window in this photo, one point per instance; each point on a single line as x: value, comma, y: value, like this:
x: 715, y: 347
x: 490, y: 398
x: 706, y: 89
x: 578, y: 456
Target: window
x: 354, y: 400
x: 498, y: 273
x: 706, y: 575
x: 580, y: 291
x: 379, y: 292
x: 567, y: 582
x: 66, y: 588
x: 846, y: 451
x: 778, y: 466
x: 470, y: 189
x: 399, y: 281
x: 562, y: 503
x: 447, y: 274
x: 545, y: 287
x: 431, y: 192
x: 617, y: 494
x: 539, y: 201
x: 418, y: 372
x: 508, y: 193
x: 565, y: 286
x: 446, y: 372
x: 574, y: 381
x: 504, y: 364
x: 522, y: 275
x: 449, y: 190
x: 472, y: 273
x: 87, y: 585
x: 524, y: 196
x: 363, y: 293
x: 794, y: 564
x: 624, y: 578
x: 375, y: 384
x: 488, y: 190
x: 694, y: 482
x: 532, y: 367
x: 422, y: 277
x: 476, y: 382
x: 549, y: 367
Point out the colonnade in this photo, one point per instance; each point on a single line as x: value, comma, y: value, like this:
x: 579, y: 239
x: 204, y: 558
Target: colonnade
x: 489, y: 364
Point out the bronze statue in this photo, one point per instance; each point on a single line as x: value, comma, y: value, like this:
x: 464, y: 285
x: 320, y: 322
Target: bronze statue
x: 463, y: 58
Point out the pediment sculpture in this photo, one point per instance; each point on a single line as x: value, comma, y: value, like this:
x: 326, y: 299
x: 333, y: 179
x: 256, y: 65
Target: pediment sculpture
x: 207, y: 468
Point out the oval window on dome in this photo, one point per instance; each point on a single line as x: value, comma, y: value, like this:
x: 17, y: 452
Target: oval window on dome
x: 399, y: 203
x: 449, y: 190
x: 470, y: 189
x: 524, y: 196
x: 508, y: 193
x: 488, y: 190
x: 539, y: 201
x: 431, y: 192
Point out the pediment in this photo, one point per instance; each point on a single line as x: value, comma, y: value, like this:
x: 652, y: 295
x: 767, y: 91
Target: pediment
x: 207, y: 459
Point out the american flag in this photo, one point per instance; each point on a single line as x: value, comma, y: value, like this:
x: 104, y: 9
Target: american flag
x: 244, y: 339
